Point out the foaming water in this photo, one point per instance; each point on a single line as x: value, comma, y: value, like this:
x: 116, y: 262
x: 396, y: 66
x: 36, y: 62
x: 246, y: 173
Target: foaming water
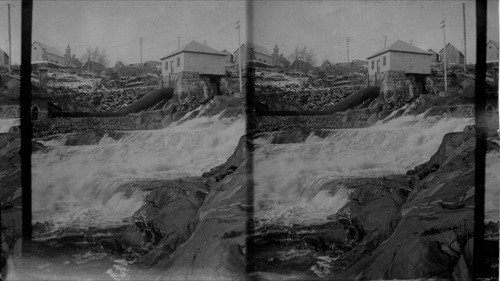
x: 492, y: 187
x: 290, y: 176
x: 78, y: 186
x: 6, y: 124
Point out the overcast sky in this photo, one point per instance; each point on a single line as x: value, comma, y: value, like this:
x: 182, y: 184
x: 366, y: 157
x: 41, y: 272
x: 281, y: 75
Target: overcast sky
x: 322, y: 25
x: 117, y: 26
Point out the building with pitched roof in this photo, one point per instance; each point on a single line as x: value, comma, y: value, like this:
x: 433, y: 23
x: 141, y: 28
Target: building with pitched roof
x: 492, y: 52
x: 399, y: 56
x: 253, y: 53
x: 4, y: 58
x: 453, y: 55
x: 45, y: 54
x: 194, y: 57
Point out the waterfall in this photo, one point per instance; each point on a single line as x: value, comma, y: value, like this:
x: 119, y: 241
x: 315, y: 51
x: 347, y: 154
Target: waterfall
x: 79, y: 186
x: 6, y: 124
x: 289, y: 177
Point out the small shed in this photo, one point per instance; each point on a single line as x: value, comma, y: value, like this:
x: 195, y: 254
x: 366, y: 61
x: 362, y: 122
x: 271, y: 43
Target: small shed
x: 399, y: 56
x: 194, y: 57
x: 229, y: 58
x: 453, y: 55
x: 434, y: 57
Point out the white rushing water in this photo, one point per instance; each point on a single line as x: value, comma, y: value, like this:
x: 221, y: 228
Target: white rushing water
x: 78, y: 186
x: 7, y: 123
x: 289, y: 177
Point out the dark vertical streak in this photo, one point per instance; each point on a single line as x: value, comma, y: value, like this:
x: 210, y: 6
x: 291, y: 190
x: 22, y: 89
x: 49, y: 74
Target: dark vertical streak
x: 250, y: 115
x: 480, y: 103
x: 26, y: 126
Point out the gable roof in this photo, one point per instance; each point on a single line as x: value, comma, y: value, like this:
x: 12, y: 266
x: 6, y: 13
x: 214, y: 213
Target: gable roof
x: 195, y: 47
x: 49, y: 49
x: 494, y: 43
x: 402, y: 47
x: 432, y: 51
x: 450, y: 45
x: 2, y: 51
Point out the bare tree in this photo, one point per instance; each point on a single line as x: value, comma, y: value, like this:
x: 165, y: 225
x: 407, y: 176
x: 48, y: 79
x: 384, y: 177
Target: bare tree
x: 304, y: 54
x: 96, y: 54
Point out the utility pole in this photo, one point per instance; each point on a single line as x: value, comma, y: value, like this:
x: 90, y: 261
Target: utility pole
x: 140, y: 44
x: 239, y: 55
x: 178, y: 41
x: 443, y: 25
x: 385, y: 41
x: 10, y: 44
x: 205, y: 42
x: 465, y: 40
x: 411, y: 42
x: 348, y: 38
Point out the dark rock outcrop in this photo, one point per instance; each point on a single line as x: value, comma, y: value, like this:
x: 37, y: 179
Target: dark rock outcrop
x: 437, y: 219
x: 166, y: 220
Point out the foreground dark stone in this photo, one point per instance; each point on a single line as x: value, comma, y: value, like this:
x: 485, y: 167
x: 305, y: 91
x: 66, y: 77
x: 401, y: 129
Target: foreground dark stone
x: 166, y: 220
x: 437, y: 220
x: 196, y: 227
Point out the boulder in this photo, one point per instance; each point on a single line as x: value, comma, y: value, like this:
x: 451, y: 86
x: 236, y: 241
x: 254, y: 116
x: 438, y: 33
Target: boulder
x: 166, y: 220
x: 437, y: 216
x: 216, y: 248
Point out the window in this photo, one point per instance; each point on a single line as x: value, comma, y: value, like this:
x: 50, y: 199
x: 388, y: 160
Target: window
x: 178, y: 61
x: 166, y: 65
x: 373, y: 64
x: 34, y: 113
x: 384, y: 60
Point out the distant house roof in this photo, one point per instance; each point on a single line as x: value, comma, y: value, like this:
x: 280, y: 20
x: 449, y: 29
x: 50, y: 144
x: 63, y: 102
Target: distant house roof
x: 449, y: 45
x: 226, y: 52
x: 256, y: 48
x: 2, y: 51
x: 49, y: 49
x: 402, y: 47
x: 194, y: 47
x: 432, y: 51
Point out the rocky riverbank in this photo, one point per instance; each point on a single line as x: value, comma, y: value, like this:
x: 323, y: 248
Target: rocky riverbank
x: 418, y: 225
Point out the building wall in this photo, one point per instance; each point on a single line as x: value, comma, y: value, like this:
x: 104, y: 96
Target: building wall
x: 372, y: 63
x: 453, y: 55
x: 410, y: 63
x: 257, y: 56
x: 491, y: 52
x: 244, y: 51
x: 176, y: 69
x: 36, y: 53
x: 205, y: 63
x: 435, y: 57
x: 37, y: 56
x: 56, y: 59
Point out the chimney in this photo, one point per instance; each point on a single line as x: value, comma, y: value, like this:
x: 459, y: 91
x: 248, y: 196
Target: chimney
x: 42, y: 76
